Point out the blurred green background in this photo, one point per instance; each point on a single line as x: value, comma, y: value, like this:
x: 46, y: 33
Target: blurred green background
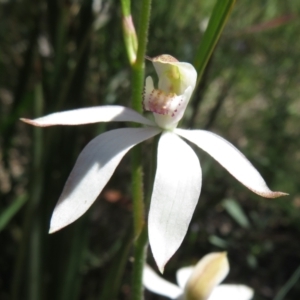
x: 58, y: 55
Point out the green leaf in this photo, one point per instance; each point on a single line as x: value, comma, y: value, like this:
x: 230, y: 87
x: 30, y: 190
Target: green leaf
x: 217, y: 241
x: 212, y: 34
x: 236, y: 212
x: 292, y: 281
x: 10, y: 211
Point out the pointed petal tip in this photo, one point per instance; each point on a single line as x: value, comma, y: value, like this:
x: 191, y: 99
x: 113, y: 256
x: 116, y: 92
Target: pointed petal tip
x: 32, y: 122
x: 28, y: 121
x: 52, y: 229
x: 161, y: 269
x: 160, y: 263
x: 224, y: 254
x: 169, y: 216
x: 271, y: 194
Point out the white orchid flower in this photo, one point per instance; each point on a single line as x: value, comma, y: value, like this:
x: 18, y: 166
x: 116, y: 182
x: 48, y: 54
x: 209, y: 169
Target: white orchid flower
x: 178, y: 177
x: 200, y: 282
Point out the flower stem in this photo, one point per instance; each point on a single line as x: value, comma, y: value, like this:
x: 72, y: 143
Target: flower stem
x: 140, y: 232
x: 137, y: 192
x: 138, y: 264
x: 138, y: 70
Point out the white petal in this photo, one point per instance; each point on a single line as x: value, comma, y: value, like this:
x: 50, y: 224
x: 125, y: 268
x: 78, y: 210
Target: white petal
x: 174, y: 76
x: 183, y: 274
x: 175, y: 194
x: 231, y: 159
x: 90, y: 115
x: 168, y: 108
x: 170, y: 120
x: 158, y: 285
x: 207, y: 274
x: 232, y: 292
x: 94, y: 167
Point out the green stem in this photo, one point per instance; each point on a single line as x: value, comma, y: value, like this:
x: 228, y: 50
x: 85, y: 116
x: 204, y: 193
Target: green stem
x: 151, y: 171
x: 35, y: 285
x: 59, y: 51
x: 143, y: 32
x: 125, y: 4
x: 138, y: 264
x: 69, y: 283
x: 137, y: 192
x: 113, y: 280
x: 29, y: 258
x: 292, y: 281
x: 138, y: 70
x: 140, y: 232
x: 138, y: 67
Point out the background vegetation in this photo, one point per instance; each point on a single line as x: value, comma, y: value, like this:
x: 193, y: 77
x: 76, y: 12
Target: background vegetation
x: 58, y: 55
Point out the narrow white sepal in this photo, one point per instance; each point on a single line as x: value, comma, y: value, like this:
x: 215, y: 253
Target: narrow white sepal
x: 94, y: 167
x: 176, y: 190
x: 183, y: 274
x: 90, y: 115
x: 158, y: 285
x: 231, y: 159
x: 232, y: 292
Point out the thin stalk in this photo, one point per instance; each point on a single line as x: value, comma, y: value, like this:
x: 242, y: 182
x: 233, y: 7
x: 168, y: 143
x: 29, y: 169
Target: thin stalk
x: 138, y: 70
x: 61, y: 36
x: 126, y: 7
x: 35, y: 254
x: 113, y: 280
x: 140, y: 232
x: 67, y: 83
x: 71, y: 277
x: 138, y: 264
x: 292, y: 281
x: 12, y: 210
x: 31, y: 244
x: 137, y: 191
x: 151, y: 171
x: 142, y: 241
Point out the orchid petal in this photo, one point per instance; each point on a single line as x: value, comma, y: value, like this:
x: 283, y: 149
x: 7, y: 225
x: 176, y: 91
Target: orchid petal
x: 168, y: 109
x: 175, y: 194
x: 207, y: 274
x: 174, y: 76
x: 94, y: 167
x: 158, y: 285
x: 109, y: 113
x: 183, y: 274
x: 231, y: 159
x: 232, y: 292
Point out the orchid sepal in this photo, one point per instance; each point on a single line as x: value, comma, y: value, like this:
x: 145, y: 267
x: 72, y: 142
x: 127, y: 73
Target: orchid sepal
x: 89, y: 115
x: 231, y: 159
x: 93, y: 168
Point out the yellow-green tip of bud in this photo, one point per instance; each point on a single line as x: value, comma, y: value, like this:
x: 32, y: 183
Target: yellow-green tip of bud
x: 208, y: 273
